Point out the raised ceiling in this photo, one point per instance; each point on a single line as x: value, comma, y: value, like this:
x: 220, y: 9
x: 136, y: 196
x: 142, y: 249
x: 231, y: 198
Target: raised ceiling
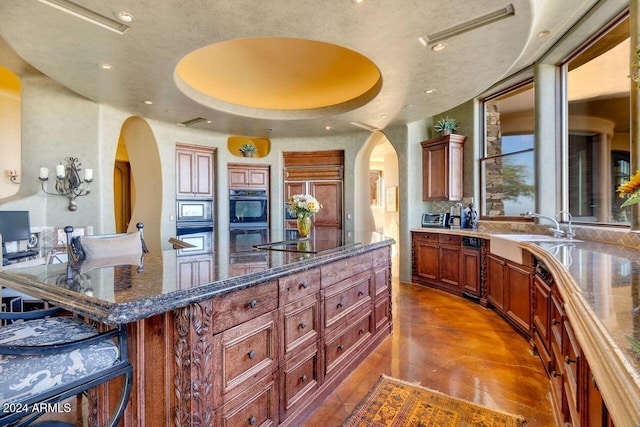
x: 384, y: 35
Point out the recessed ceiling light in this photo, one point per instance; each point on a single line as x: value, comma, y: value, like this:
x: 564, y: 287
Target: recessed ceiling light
x: 383, y: 116
x: 438, y: 47
x: 209, y: 121
x: 327, y: 127
x: 544, y: 33
x: 123, y: 16
x: 357, y: 1
x: 105, y: 66
x: 147, y: 102
x: 430, y: 90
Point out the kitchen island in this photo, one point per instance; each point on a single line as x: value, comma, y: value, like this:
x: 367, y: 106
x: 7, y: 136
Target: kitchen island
x: 257, y: 338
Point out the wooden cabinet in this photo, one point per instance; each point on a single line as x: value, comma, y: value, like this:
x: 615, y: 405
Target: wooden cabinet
x: 509, y: 291
x: 269, y: 354
x: 320, y: 174
x: 442, y: 168
x: 248, y: 176
x: 194, y: 171
x: 437, y: 260
x: 575, y: 398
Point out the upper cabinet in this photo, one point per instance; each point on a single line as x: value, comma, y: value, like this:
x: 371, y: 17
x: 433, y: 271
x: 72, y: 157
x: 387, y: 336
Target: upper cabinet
x: 248, y: 176
x: 194, y: 171
x: 442, y: 168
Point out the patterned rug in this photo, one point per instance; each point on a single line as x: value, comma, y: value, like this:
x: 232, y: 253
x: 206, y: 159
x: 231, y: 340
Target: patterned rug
x: 395, y: 403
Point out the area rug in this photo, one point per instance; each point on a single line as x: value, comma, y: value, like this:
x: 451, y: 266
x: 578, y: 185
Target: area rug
x: 395, y: 403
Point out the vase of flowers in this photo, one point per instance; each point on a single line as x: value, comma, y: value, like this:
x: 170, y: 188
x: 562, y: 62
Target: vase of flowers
x: 302, y: 206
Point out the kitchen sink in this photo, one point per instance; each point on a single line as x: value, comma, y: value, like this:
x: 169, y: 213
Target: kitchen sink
x: 506, y: 245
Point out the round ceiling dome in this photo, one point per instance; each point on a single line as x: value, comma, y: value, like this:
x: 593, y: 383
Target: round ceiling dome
x: 278, y: 77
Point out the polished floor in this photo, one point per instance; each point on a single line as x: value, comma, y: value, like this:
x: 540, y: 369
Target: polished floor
x: 452, y: 345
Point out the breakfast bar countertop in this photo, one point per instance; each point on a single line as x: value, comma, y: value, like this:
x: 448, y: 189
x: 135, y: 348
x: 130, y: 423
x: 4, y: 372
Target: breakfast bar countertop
x: 123, y: 290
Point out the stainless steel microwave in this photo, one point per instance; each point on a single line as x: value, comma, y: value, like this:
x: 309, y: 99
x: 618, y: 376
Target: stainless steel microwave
x: 195, y: 211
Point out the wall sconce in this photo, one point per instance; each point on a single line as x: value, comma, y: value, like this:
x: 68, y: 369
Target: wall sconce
x: 68, y: 181
x: 13, y: 176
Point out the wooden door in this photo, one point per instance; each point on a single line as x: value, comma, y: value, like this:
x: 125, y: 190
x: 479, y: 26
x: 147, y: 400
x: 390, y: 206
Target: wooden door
x: 122, y: 195
x: 450, y: 265
x: 427, y: 261
x: 471, y: 271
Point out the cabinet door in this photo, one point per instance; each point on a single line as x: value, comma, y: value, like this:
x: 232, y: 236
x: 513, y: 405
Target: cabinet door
x: 449, y: 257
x: 329, y: 194
x: 518, y: 296
x: 435, y: 178
x: 194, y: 172
x: 471, y: 271
x: 495, y: 282
x: 427, y: 262
x: 258, y: 178
x: 238, y: 177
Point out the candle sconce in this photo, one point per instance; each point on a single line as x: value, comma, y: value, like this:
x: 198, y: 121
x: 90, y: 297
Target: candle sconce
x: 68, y: 181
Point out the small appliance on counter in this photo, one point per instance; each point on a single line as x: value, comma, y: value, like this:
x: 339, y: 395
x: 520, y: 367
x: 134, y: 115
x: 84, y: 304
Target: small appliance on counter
x: 437, y: 220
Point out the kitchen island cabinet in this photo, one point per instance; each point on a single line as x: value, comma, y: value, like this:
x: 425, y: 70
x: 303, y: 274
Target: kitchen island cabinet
x: 261, y: 348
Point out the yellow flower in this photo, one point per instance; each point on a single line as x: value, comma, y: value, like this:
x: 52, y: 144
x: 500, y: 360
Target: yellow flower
x: 631, y: 190
x: 630, y: 186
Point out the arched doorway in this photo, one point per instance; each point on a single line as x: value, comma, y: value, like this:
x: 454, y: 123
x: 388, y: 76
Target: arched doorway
x: 378, y: 208
x: 138, y: 196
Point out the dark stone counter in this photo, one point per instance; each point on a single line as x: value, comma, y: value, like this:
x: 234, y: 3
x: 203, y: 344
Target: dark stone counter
x: 124, y: 290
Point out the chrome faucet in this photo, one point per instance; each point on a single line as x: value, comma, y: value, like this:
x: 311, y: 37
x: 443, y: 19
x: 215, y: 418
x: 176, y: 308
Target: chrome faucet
x: 570, y: 232
x: 557, y: 232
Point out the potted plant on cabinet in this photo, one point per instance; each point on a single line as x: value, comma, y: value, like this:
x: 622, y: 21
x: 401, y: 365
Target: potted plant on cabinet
x: 248, y: 150
x: 446, y: 125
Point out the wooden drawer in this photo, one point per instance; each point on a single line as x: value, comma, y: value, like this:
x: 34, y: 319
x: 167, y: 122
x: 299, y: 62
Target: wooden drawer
x: 343, y: 269
x: 238, y: 307
x: 450, y: 239
x: 299, y: 379
x: 339, y: 345
x: 296, y: 286
x: 258, y: 406
x: 243, y: 354
x: 426, y: 237
x: 345, y: 297
x: 301, y: 323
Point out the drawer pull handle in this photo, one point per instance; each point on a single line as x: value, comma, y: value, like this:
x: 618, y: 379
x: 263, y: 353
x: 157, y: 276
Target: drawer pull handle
x: 252, y: 421
x: 340, y: 347
x: 304, y: 285
x: 303, y: 378
x: 340, y: 304
x: 360, y: 293
x: 361, y: 330
x: 252, y: 355
x: 555, y: 322
x: 568, y: 361
x: 253, y: 303
x: 303, y: 325
x: 555, y: 374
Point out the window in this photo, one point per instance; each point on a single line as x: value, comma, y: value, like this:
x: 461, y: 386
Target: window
x: 507, y: 165
x: 598, y: 118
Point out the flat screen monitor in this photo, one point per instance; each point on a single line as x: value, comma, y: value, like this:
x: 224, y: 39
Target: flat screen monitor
x: 14, y: 226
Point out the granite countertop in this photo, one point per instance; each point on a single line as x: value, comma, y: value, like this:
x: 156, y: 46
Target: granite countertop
x: 127, y: 289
